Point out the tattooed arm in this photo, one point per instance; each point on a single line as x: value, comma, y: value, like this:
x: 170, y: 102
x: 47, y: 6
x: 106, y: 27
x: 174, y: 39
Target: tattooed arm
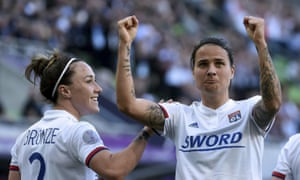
x: 144, y: 111
x: 266, y: 109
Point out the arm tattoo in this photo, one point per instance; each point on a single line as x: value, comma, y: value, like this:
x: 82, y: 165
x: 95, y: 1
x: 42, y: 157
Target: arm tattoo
x: 127, y: 69
x: 269, y: 82
x: 261, y: 116
x: 128, y: 51
x: 155, y: 116
x: 126, y: 65
x: 264, y: 111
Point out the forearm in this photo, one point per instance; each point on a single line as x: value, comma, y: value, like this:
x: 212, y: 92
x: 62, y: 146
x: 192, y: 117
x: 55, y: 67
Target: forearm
x: 124, y: 86
x: 265, y: 110
x: 127, y: 159
x: 269, y: 81
x: 14, y: 175
x: 116, y: 166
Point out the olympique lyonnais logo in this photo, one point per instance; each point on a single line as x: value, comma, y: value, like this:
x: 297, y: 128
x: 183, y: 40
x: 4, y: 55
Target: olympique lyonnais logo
x: 233, y: 117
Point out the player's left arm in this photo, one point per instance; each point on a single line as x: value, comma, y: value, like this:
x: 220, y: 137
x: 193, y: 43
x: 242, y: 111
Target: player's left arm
x: 265, y: 110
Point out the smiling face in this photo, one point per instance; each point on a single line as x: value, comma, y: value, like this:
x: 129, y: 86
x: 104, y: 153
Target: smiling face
x: 212, y: 71
x: 84, y: 90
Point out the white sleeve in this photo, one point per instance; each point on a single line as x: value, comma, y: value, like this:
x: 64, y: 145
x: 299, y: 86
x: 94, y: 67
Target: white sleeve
x: 286, y: 155
x: 14, y: 156
x: 14, y: 153
x: 86, y: 142
x: 252, y: 101
x: 171, y: 111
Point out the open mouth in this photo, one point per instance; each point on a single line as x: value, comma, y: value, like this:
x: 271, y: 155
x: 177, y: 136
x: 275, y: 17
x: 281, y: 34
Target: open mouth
x: 95, y: 99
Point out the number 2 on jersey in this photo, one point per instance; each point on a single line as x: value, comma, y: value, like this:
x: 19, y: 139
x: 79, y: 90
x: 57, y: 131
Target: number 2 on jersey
x: 39, y: 157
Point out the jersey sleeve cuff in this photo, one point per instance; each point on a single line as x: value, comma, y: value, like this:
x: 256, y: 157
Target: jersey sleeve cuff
x: 13, y: 168
x: 92, y: 154
x: 278, y: 174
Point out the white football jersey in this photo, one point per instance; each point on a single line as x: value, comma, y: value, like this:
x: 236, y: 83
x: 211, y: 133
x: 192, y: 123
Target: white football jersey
x: 220, y: 144
x: 56, y: 147
x: 288, y: 163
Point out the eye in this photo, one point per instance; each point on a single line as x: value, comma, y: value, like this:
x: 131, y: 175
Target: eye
x: 89, y: 80
x: 202, y: 64
x: 220, y: 63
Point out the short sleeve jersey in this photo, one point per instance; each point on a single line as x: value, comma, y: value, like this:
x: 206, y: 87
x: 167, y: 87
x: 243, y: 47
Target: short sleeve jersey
x: 216, y: 144
x: 56, y: 147
x: 288, y: 163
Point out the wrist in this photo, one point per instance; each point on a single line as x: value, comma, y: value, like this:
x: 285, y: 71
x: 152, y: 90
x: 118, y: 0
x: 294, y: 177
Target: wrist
x: 261, y: 45
x: 124, y: 43
x: 143, y: 135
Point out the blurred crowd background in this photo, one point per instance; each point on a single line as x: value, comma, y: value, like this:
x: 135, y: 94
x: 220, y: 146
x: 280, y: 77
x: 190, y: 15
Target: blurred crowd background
x: 168, y: 31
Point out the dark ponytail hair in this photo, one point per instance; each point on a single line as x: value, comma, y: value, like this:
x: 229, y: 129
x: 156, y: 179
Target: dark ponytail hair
x: 46, y: 70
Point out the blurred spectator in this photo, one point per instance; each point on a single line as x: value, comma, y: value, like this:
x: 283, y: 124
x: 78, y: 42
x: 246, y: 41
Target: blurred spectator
x: 169, y: 29
x: 33, y: 108
x: 3, y: 115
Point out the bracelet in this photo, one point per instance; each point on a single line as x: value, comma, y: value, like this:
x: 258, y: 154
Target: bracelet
x: 145, y: 135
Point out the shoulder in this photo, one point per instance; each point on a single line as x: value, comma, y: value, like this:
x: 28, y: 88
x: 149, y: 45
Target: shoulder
x: 81, y: 127
x: 295, y: 139
x: 292, y: 143
x: 249, y: 101
x: 176, y: 106
x: 170, y: 105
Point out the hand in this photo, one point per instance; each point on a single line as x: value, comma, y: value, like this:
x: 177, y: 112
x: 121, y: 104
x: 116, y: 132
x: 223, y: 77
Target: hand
x: 168, y: 101
x: 255, y: 29
x: 128, y: 29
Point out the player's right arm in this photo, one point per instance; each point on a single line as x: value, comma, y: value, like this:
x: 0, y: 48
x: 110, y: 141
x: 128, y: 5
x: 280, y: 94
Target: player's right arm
x: 14, y: 175
x: 14, y: 170
x: 116, y: 166
x: 144, y: 111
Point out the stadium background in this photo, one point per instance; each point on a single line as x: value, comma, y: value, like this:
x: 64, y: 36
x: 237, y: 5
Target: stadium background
x: 167, y: 33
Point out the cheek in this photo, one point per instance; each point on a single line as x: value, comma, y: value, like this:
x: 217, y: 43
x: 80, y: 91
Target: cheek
x: 198, y: 76
x: 197, y: 73
x: 226, y: 77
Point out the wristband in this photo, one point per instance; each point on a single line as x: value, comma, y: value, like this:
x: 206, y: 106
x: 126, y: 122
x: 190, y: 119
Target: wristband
x: 145, y: 135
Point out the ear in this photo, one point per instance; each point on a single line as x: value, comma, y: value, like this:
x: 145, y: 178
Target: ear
x: 64, y: 91
x: 232, y: 71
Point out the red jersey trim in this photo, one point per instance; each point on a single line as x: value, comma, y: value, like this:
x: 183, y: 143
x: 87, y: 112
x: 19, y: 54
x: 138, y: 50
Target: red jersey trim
x: 164, y: 111
x: 92, y: 154
x: 13, y: 168
x: 278, y: 174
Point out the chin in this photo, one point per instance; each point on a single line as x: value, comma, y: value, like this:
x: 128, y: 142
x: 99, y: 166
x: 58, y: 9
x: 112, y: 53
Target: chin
x: 96, y: 110
x: 93, y: 110
x: 210, y: 89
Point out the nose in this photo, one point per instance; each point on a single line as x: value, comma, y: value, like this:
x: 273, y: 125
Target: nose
x: 211, y: 71
x: 98, y: 88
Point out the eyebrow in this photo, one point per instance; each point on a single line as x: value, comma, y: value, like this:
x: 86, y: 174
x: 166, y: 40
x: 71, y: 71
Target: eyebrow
x: 92, y: 76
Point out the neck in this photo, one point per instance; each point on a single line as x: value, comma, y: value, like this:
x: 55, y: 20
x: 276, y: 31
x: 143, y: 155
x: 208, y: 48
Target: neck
x: 213, y: 101
x: 68, y: 108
